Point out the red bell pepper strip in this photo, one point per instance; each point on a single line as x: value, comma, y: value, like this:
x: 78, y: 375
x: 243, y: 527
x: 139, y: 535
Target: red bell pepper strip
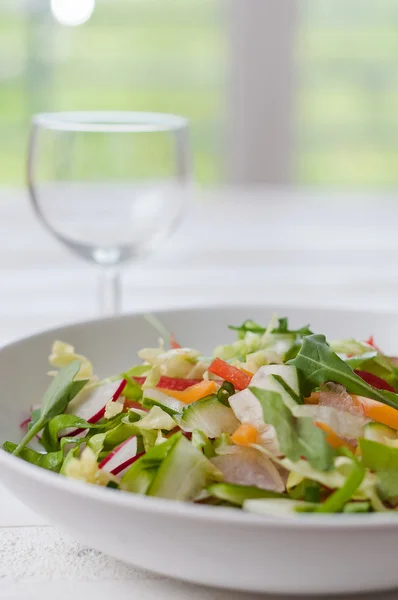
x: 173, y: 342
x: 171, y: 383
x: 371, y: 342
x: 239, y: 379
x: 375, y: 381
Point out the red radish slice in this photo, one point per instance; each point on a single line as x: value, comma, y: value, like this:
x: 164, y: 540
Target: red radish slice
x: 120, y: 470
x: 25, y: 423
x: 120, y: 455
x: 171, y: 383
x: 92, y: 407
x: 133, y: 404
x: 375, y: 381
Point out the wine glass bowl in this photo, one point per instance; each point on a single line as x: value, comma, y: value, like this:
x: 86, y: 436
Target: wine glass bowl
x: 109, y: 186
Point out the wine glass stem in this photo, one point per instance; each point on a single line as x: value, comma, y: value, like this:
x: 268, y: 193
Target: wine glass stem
x: 109, y: 292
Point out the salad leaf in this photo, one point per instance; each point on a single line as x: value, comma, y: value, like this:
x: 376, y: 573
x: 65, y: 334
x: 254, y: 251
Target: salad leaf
x: 337, y: 500
x: 50, y: 438
x: 60, y: 392
x: 318, y: 364
x: 132, y: 390
x: 276, y: 413
x: 314, y: 445
x: 359, y: 361
x: 237, y: 494
x: 202, y: 442
x: 296, y: 437
x: 282, y: 328
x: 52, y: 461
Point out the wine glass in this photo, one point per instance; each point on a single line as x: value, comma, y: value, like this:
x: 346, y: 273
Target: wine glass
x: 109, y: 185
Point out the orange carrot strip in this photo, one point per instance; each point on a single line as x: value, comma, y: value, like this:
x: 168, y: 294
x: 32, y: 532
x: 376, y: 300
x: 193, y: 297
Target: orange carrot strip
x: 332, y: 438
x: 192, y: 393
x: 245, y: 435
x: 382, y: 413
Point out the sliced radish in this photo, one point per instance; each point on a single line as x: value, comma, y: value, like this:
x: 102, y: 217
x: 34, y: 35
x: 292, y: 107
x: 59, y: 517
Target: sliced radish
x: 92, y: 407
x: 375, y: 381
x: 133, y: 404
x: 115, y: 461
x: 121, y: 469
x: 171, y: 383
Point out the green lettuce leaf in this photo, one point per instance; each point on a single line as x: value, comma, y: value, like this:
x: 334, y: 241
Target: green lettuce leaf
x: 296, y: 437
x: 282, y: 328
x: 52, y: 461
x: 62, y: 389
x: 318, y: 364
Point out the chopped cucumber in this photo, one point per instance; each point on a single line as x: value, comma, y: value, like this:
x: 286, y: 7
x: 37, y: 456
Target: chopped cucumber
x: 142, y: 473
x: 283, y: 373
x: 153, y: 397
x: 278, y: 507
x: 283, y: 379
x: 183, y: 473
x: 357, y: 507
x: 208, y: 415
x: 376, y: 432
x: 237, y: 494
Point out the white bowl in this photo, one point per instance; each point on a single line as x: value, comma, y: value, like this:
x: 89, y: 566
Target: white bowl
x: 208, y: 545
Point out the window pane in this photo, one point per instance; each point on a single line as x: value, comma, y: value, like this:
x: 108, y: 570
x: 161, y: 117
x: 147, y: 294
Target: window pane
x: 151, y: 55
x: 348, y: 91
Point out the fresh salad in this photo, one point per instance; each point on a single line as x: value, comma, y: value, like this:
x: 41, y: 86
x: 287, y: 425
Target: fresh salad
x: 280, y: 422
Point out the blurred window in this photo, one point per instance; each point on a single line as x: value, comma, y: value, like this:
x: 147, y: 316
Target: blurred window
x: 151, y: 55
x: 177, y: 55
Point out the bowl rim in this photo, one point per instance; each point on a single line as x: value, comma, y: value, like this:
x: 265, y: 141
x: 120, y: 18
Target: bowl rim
x: 188, y: 510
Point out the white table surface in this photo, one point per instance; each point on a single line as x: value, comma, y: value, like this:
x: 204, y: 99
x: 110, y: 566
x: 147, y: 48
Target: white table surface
x: 236, y: 246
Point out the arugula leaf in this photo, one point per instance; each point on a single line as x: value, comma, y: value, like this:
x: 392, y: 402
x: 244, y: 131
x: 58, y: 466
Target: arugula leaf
x: 283, y: 328
x: 318, y: 364
x: 337, y: 500
x: 248, y: 325
x: 50, y: 438
x: 52, y: 461
x: 297, y: 437
x: 60, y: 392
